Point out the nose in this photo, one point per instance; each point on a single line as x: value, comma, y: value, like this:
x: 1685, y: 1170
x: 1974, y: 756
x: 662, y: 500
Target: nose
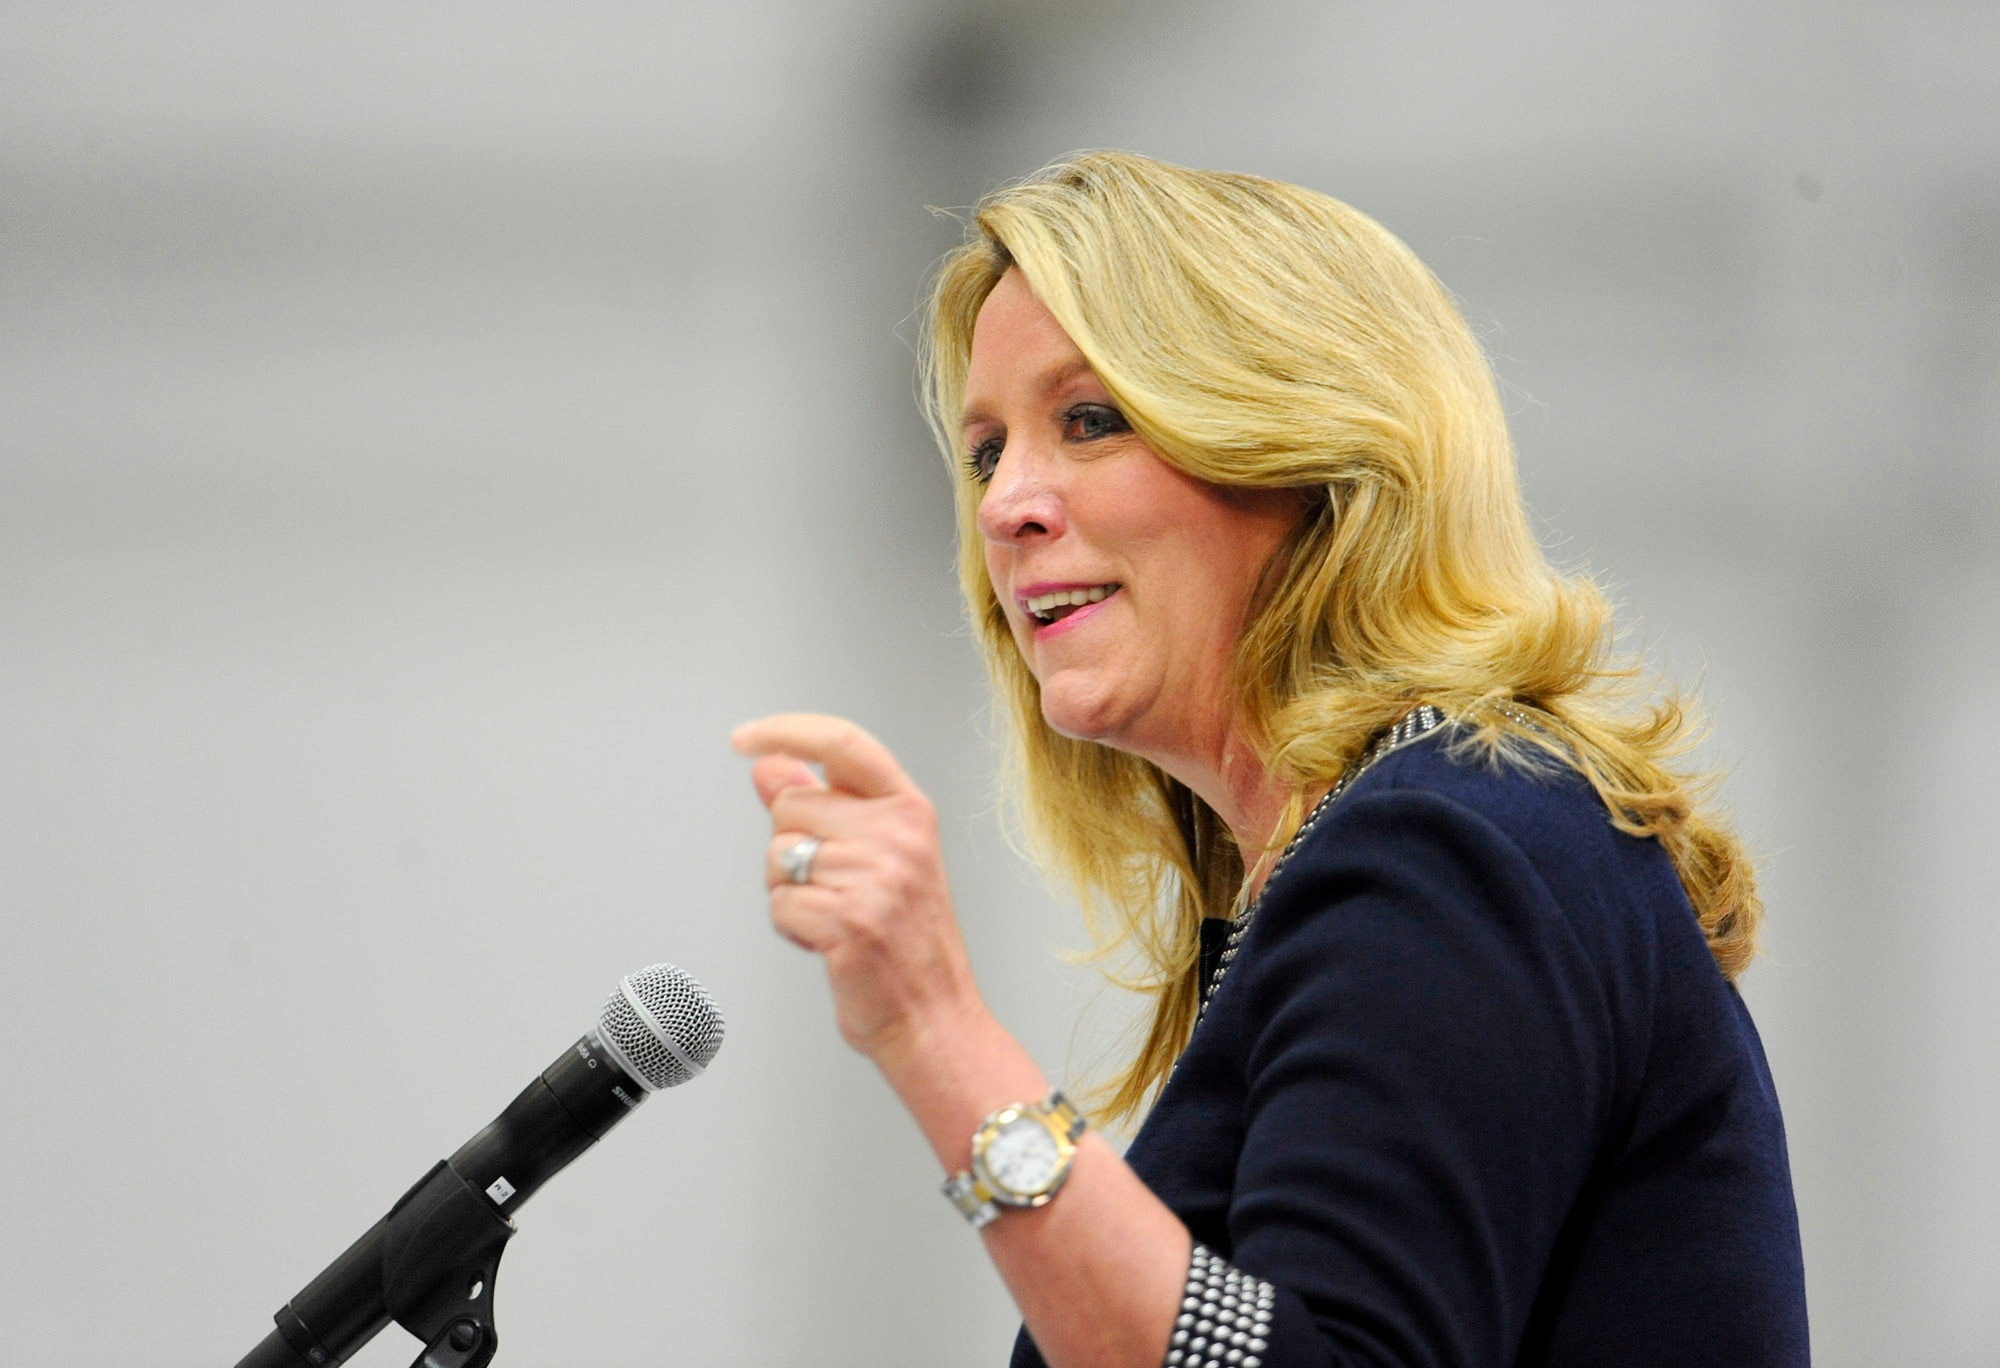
x: 1021, y: 502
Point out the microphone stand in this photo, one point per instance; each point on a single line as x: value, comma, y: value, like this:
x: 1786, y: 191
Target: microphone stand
x: 428, y: 1265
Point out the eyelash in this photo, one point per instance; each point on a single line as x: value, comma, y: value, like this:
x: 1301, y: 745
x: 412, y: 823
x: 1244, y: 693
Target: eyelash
x: 981, y: 460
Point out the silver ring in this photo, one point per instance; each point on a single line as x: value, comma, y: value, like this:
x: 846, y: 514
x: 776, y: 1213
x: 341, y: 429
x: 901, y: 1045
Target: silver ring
x: 798, y: 861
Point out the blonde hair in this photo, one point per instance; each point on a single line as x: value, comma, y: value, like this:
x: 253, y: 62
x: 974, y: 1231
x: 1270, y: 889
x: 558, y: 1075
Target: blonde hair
x: 1259, y: 334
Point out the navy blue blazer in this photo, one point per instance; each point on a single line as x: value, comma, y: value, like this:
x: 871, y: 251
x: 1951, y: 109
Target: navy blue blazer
x: 1474, y: 1093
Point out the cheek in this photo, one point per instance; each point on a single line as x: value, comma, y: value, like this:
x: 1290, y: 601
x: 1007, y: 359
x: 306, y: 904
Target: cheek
x: 996, y: 579
x: 1219, y: 567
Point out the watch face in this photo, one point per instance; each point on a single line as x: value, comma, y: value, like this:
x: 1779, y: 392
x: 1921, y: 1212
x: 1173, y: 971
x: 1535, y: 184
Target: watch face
x: 1022, y: 1158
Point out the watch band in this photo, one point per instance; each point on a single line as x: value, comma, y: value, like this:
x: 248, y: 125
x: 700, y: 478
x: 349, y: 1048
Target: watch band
x: 979, y: 1203
x: 1064, y: 1110
x: 972, y: 1199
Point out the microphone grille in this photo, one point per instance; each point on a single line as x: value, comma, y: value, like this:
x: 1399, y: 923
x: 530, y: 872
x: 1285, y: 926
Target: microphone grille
x: 662, y: 1024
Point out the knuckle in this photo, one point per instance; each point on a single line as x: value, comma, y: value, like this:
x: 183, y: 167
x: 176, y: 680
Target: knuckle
x: 918, y: 810
x: 911, y: 845
x: 894, y: 873
x: 908, y: 878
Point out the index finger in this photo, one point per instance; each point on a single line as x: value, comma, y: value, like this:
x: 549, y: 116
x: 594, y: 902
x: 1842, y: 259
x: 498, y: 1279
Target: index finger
x: 854, y: 761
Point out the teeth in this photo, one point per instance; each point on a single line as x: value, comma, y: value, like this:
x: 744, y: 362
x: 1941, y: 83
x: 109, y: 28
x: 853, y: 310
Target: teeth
x: 1042, y: 604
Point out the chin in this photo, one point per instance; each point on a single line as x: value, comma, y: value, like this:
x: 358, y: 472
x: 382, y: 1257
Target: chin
x: 1082, y: 716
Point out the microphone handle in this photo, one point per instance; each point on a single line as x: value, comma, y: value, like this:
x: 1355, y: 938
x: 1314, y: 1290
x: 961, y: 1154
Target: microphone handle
x: 348, y: 1306
x: 574, y: 1103
x: 558, y: 1116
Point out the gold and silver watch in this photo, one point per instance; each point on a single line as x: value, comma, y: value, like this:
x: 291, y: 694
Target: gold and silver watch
x: 1020, y: 1156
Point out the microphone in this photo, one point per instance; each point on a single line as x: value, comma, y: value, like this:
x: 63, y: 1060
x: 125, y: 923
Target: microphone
x: 429, y: 1264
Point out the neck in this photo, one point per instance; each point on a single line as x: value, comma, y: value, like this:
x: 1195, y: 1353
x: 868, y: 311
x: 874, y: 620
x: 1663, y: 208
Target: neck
x: 1243, y: 793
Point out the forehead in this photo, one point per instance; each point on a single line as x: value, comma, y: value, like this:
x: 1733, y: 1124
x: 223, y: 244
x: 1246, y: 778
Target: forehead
x: 1016, y: 344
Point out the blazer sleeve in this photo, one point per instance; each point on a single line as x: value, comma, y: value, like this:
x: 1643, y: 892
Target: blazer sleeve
x: 1430, y: 1063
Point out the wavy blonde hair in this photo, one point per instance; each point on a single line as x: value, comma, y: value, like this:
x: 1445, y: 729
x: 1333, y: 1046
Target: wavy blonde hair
x: 1263, y: 335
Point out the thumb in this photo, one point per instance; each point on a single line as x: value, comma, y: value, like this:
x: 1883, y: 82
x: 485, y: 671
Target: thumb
x: 773, y: 774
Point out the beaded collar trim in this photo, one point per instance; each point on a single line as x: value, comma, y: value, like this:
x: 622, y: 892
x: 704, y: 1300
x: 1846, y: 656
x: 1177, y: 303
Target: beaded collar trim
x: 1419, y: 721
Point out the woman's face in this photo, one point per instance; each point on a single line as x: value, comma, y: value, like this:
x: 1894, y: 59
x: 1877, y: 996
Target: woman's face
x: 1126, y: 582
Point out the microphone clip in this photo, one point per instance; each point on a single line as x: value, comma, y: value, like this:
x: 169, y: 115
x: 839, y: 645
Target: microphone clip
x: 440, y: 1254
x: 429, y: 1264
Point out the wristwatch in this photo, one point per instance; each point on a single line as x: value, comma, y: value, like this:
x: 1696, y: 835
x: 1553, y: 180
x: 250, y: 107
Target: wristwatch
x: 1020, y: 1157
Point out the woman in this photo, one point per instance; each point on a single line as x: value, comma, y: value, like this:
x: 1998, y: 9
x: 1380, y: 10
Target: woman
x: 1444, y: 1060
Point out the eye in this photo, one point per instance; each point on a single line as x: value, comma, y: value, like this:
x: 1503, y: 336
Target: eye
x: 1093, y: 422
x: 979, y: 461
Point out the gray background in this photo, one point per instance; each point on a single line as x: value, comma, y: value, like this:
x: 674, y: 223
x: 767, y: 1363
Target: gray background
x: 426, y: 428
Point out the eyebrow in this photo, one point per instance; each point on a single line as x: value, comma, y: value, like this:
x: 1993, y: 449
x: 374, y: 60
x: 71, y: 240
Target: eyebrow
x: 1054, y: 379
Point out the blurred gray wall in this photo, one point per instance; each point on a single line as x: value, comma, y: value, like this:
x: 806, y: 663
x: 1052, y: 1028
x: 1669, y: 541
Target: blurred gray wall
x: 426, y: 428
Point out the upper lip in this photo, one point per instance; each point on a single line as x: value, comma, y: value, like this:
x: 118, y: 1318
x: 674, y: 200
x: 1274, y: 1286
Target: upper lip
x: 1024, y: 592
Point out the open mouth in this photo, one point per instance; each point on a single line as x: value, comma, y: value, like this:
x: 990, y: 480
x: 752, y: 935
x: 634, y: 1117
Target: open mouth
x: 1054, y: 607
